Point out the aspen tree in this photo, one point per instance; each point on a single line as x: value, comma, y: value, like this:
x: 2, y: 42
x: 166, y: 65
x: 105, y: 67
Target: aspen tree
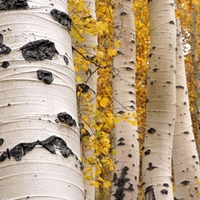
x: 39, y: 137
x: 126, y: 174
x: 161, y: 102
x: 185, y: 156
x: 196, y: 65
x: 86, y: 94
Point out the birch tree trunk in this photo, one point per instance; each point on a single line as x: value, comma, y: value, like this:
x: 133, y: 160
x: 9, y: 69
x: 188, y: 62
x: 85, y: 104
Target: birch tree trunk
x: 39, y: 137
x: 196, y: 64
x: 185, y: 157
x: 161, y: 102
x: 87, y: 91
x: 88, y: 106
x: 126, y: 174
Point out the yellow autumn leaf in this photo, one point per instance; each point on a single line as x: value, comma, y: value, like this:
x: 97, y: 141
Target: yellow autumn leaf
x: 118, y: 44
x: 85, y: 68
x: 114, y: 152
x: 106, y: 184
x: 100, y: 179
x: 76, y: 68
x: 104, y: 102
x: 116, y: 120
x: 112, y: 52
x: 95, y: 183
x: 78, y: 79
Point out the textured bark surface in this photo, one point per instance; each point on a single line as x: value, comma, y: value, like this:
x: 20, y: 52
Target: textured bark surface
x: 40, y: 141
x: 161, y: 102
x: 126, y: 174
x: 196, y: 64
x: 88, y: 85
x: 185, y: 160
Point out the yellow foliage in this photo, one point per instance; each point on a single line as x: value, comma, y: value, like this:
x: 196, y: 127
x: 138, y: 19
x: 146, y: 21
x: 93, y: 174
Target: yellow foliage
x: 104, y: 102
x: 78, y: 79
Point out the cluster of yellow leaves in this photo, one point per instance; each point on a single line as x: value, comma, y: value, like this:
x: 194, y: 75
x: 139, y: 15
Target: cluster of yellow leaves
x: 101, y: 122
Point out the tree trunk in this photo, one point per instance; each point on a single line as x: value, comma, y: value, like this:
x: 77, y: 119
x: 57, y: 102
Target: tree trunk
x: 126, y: 174
x: 185, y: 157
x: 86, y: 88
x: 39, y: 137
x: 161, y: 102
x: 196, y: 64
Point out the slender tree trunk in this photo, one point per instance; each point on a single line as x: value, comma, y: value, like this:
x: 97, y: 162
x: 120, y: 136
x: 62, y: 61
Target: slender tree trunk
x: 161, y: 102
x: 126, y: 174
x: 185, y: 157
x: 39, y: 137
x: 87, y: 103
x: 196, y: 64
x: 86, y: 91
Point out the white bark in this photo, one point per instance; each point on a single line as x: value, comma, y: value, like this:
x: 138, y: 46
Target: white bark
x: 29, y: 107
x: 185, y: 157
x: 126, y: 174
x: 196, y: 64
x: 88, y: 107
x: 161, y: 101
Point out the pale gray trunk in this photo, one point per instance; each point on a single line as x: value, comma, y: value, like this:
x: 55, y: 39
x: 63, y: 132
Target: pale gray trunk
x: 39, y: 137
x: 161, y: 102
x: 196, y: 64
x: 126, y: 174
x: 185, y: 157
x: 87, y: 106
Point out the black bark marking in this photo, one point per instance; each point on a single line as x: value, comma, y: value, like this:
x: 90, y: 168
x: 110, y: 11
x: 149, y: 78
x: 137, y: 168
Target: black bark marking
x: 13, y: 4
x: 186, y: 182
x: 147, y: 152
x: 166, y: 184
x: 82, y: 87
x: 155, y: 69
x: 121, y: 144
x: 38, y: 50
x: 66, y: 60
x: 4, y: 49
x: 121, y: 139
x: 129, y: 155
x: 151, y: 167
x: 194, y: 156
x: 5, y: 64
x: 171, y: 22
x: 150, y: 55
x: 149, y: 193
x: 21, y: 149
x: 121, y: 112
x: 3, y: 156
x: 152, y: 130
x: 129, y: 68
x: 51, y: 144
x: 66, y: 118
x: 180, y: 86
x: 45, y: 76
x: 123, y: 13
x: 62, y: 18
x: 1, y: 39
x: 186, y: 132
x: 164, y: 191
x: 1, y: 141
x: 120, y: 183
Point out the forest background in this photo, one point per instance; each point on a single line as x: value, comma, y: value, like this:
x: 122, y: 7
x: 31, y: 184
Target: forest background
x: 102, y: 122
